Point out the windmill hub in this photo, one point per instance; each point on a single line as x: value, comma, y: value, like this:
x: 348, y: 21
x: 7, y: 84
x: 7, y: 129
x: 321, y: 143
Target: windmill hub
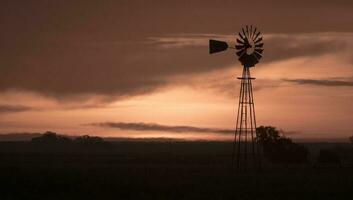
x: 250, y: 48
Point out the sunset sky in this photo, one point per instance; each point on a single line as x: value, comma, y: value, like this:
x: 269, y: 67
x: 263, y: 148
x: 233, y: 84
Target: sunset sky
x: 137, y: 68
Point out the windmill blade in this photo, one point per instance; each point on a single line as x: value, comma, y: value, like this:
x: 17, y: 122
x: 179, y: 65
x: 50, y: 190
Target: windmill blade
x: 247, y: 31
x: 243, y: 32
x: 217, y: 46
x: 246, y: 40
x: 240, y: 42
x: 254, y: 33
x: 257, y: 35
x: 258, y: 40
x: 258, y: 56
x: 258, y: 50
x: 259, y: 45
x: 250, y: 36
x: 240, y: 53
x: 241, y: 36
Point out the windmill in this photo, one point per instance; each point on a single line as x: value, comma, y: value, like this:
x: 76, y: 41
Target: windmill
x: 249, y: 47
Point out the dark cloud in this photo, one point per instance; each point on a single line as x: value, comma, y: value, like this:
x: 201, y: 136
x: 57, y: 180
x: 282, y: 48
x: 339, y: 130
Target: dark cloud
x: 14, y: 108
x: 281, y: 47
x: 162, y: 128
x: 326, y: 82
x: 107, y: 70
x: 63, y: 49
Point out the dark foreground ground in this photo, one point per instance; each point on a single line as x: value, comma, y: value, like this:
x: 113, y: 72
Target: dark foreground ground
x: 158, y: 171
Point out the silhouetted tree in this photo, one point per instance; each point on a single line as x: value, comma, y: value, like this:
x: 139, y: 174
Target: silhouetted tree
x: 89, y: 140
x: 52, y: 142
x: 267, y: 135
x: 51, y: 138
x: 279, y: 149
x: 351, y: 139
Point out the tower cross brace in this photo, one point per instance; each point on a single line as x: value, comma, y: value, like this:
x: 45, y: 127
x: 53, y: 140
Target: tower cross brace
x: 246, y: 150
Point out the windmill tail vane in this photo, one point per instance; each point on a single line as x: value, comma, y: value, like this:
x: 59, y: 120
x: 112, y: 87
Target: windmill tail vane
x: 247, y: 151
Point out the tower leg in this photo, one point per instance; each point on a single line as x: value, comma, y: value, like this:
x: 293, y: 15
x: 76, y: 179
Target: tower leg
x: 246, y: 151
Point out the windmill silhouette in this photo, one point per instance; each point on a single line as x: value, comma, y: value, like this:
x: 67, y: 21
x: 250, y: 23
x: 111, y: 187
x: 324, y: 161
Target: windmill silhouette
x: 246, y: 149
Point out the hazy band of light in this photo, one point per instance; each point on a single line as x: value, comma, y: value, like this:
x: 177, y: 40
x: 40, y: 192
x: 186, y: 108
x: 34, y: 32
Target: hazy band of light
x: 162, y: 128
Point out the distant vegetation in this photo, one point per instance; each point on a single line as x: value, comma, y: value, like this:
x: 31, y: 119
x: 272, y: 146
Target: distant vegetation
x: 54, y: 142
x: 88, y: 140
x: 51, y: 138
x: 280, y: 149
x: 277, y: 148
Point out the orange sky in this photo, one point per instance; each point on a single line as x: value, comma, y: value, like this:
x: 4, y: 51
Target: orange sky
x: 63, y: 74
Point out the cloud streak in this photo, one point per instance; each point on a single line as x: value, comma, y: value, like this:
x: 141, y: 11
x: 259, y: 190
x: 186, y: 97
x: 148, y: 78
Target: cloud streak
x: 321, y: 82
x: 14, y: 108
x: 161, y: 128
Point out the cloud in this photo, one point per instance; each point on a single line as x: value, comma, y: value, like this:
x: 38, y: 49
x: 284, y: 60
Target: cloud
x: 123, y: 70
x: 81, y: 49
x: 228, y: 87
x: 14, y: 108
x: 162, y: 128
x: 320, y: 82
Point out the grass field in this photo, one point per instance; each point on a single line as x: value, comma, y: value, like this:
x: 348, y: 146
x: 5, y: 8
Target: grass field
x: 158, y: 170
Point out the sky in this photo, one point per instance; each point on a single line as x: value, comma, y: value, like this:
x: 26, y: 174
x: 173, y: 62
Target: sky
x: 137, y: 68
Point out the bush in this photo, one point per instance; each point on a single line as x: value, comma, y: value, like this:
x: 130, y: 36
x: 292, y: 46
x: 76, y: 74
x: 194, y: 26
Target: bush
x: 279, y: 149
x: 88, y: 140
x: 51, y: 138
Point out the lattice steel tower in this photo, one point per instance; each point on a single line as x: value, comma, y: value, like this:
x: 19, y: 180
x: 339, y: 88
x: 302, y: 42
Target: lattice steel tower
x: 246, y: 149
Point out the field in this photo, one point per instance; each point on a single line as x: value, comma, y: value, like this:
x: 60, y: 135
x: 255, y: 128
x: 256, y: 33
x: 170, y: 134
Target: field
x: 158, y: 170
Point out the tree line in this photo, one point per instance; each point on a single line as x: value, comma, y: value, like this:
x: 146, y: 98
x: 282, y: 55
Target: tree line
x: 51, y: 138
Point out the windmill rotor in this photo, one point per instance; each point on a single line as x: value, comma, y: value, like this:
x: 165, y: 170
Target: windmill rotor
x: 249, y: 46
